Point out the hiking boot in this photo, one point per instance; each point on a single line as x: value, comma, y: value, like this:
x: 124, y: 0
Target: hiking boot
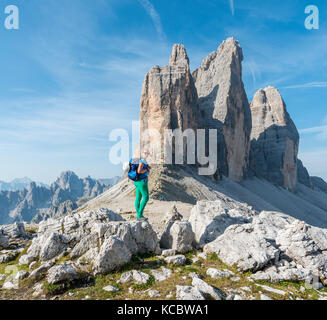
x: 142, y: 219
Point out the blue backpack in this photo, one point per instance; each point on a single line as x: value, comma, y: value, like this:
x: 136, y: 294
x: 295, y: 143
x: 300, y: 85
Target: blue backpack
x: 133, y: 166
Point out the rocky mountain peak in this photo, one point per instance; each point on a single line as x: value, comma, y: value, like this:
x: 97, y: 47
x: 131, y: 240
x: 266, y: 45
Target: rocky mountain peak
x: 274, y: 139
x: 230, y: 45
x: 224, y: 105
x: 179, y: 56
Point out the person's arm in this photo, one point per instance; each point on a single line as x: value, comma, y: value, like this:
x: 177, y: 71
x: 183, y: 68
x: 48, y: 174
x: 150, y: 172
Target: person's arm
x: 140, y: 168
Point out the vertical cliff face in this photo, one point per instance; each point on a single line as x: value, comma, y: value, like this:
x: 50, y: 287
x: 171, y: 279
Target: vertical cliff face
x: 169, y: 101
x: 274, y: 139
x: 224, y: 104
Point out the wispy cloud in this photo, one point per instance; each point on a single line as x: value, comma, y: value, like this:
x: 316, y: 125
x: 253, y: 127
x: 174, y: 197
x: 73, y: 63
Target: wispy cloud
x: 148, y: 6
x: 320, y: 132
x: 307, y: 85
x: 232, y: 8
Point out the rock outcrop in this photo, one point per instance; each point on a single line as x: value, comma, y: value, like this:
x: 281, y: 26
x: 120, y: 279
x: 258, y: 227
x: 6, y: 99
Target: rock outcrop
x: 169, y: 101
x: 224, y: 105
x: 210, y: 219
x: 274, y: 139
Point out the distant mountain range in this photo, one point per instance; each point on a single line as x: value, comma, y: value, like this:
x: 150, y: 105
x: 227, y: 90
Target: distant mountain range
x: 25, y: 200
x: 18, y: 184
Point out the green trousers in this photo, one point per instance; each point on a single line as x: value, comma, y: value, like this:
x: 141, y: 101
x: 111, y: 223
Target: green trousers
x: 142, y: 193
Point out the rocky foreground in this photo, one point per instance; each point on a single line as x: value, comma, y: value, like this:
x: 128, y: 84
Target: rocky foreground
x: 224, y: 250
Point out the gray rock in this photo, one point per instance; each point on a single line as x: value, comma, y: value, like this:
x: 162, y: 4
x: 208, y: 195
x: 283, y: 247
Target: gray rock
x: 41, y: 271
x: 169, y: 101
x: 61, y: 272
x: 14, y: 231
x: 168, y: 252
x: 245, y: 246
x: 161, y: 275
x: 273, y: 290
x: 178, y: 236
x: 53, y: 246
x: 25, y: 259
x: 188, y: 293
x: 135, y: 276
x: 206, y: 289
x: 4, y: 241
x: 216, y: 274
x: 297, y: 244
x: 111, y: 288
x: 264, y: 297
x: 172, y: 215
x: 274, y: 139
x: 176, y: 260
x: 9, y: 285
x: 113, y: 254
x: 224, y: 105
x: 88, y: 242
x: 4, y: 258
x: 209, y: 219
x: 154, y: 293
x: 21, y: 275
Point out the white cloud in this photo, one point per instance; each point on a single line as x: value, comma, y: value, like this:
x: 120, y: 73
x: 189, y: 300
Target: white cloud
x: 307, y: 85
x: 148, y: 6
x: 232, y: 8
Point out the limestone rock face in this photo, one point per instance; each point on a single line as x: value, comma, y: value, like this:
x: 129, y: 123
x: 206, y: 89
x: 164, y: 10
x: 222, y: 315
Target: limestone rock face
x: 224, y: 106
x: 274, y: 139
x: 303, y: 175
x: 169, y: 101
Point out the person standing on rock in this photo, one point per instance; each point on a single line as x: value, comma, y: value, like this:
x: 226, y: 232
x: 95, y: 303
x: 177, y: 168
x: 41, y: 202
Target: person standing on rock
x: 141, y: 185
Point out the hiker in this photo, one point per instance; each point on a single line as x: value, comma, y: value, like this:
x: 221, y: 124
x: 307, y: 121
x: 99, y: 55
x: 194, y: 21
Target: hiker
x: 141, y: 183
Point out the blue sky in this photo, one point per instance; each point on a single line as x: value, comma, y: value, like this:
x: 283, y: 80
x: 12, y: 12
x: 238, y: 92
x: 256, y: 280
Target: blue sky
x: 74, y: 71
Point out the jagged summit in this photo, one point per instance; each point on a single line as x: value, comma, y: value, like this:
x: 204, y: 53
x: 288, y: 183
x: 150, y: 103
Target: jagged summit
x: 179, y: 56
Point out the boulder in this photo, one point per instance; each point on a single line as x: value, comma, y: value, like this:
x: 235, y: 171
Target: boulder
x: 209, y: 219
x: 135, y: 276
x: 14, y: 231
x: 39, y: 272
x: 178, y: 260
x: 4, y: 241
x: 207, y: 290
x: 188, y: 293
x: 138, y: 236
x: 113, y: 254
x: 216, y: 274
x: 245, y: 246
x: 178, y: 236
x: 296, y: 242
x: 53, y: 246
x: 88, y: 242
x: 80, y: 222
x: 61, y: 272
x: 161, y: 275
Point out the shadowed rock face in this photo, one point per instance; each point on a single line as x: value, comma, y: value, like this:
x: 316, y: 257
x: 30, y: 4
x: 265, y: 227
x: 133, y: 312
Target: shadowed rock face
x: 169, y: 101
x: 303, y: 175
x: 224, y: 105
x: 274, y: 139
